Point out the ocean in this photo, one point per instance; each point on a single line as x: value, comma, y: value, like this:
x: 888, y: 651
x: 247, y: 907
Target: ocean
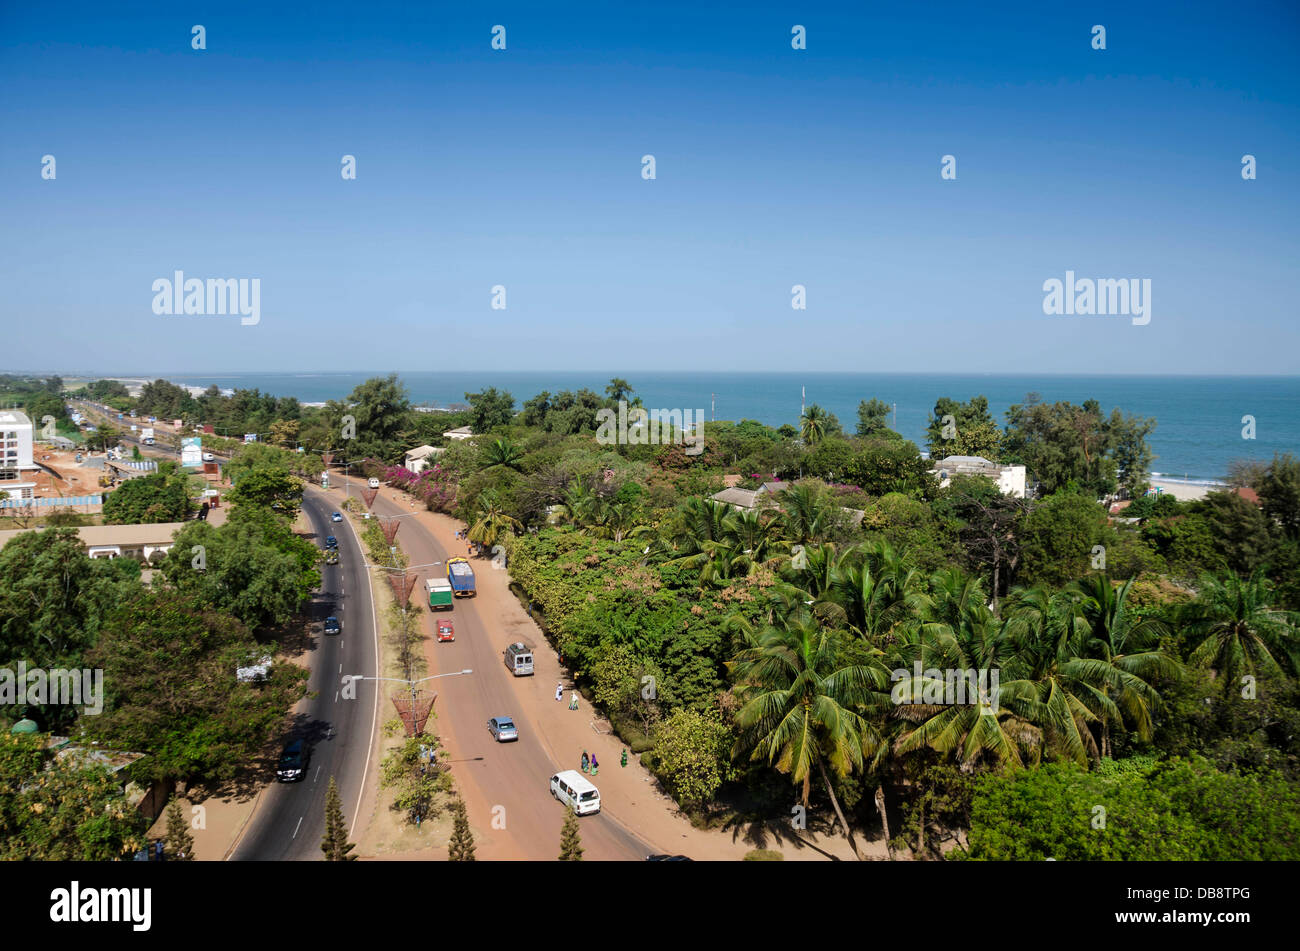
x: 1199, y: 427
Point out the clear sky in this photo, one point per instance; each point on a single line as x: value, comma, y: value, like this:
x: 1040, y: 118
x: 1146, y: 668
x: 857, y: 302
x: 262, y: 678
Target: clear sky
x: 522, y: 167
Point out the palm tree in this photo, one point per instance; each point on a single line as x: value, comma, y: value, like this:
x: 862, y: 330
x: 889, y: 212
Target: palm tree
x: 1121, y: 638
x: 1237, y: 628
x: 874, y: 589
x: 492, y: 521
x: 813, y: 424
x: 801, y: 686
x: 806, y: 513
x: 502, y: 453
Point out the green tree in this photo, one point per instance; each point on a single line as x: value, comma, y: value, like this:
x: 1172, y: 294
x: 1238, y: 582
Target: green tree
x: 880, y: 466
x: 489, y: 409
x: 62, y: 808
x: 801, y: 686
x: 873, y: 416
x: 179, y: 842
x: 1234, y: 628
x: 691, y: 756
x: 1279, y: 494
x: 381, y: 407
x: 570, y: 841
x: 335, y: 842
x: 816, y: 424
x: 163, y: 496
x: 461, y: 846
x: 1057, y: 538
x: 169, y: 667
x: 618, y: 389
x: 963, y: 429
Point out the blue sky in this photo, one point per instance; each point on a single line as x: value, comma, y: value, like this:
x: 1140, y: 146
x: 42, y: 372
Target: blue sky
x: 775, y: 167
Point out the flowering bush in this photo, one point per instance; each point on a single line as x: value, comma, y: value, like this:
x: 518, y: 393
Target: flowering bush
x: 433, y: 486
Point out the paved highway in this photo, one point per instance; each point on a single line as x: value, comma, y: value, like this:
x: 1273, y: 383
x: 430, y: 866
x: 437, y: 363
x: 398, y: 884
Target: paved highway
x: 506, y: 781
x: 290, y: 817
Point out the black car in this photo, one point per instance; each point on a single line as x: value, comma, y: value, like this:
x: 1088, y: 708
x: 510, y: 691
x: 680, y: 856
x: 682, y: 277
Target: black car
x: 293, y: 762
x: 331, y: 541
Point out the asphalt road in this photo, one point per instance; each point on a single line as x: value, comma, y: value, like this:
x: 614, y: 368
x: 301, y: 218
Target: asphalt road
x: 290, y: 818
x: 508, y: 782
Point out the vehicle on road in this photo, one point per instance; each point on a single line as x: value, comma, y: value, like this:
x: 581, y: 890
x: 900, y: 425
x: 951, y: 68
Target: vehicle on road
x: 336, y: 517
x: 503, y: 729
x: 293, y: 762
x: 440, y: 594
x: 373, y: 483
x: 461, y: 576
x: 519, y: 659
x: 331, y: 556
x: 332, y: 625
x: 147, y: 435
x: 331, y: 541
x: 571, y: 788
x: 445, y: 630
x: 209, y: 457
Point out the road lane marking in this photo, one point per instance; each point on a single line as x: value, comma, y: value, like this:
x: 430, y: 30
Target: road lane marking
x: 316, y: 777
x: 296, y: 828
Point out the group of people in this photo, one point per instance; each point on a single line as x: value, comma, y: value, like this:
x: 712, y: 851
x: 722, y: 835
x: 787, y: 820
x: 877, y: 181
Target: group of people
x: 559, y: 695
x: 589, y: 764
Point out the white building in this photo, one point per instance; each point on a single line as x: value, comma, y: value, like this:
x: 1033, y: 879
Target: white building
x: 16, y: 433
x: 421, y: 456
x: 463, y: 432
x: 1010, y: 479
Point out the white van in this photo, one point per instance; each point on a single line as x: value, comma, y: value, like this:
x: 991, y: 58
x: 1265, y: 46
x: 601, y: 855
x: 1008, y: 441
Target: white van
x: 519, y: 659
x: 572, y: 789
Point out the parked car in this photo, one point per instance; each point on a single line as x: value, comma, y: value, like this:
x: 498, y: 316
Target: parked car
x: 209, y: 457
x: 445, y: 630
x: 336, y: 517
x: 293, y: 762
x: 503, y: 728
x: 332, y: 625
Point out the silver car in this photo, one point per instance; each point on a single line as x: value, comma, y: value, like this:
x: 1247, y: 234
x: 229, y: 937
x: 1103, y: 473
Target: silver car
x: 503, y: 728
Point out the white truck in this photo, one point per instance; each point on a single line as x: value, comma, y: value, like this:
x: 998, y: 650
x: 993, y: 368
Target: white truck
x: 146, y: 435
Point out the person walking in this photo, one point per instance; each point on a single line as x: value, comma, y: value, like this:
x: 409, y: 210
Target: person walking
x: 573, y: 700
x: 595, y: 767
x: 585, y: 761
x: 559, y: 691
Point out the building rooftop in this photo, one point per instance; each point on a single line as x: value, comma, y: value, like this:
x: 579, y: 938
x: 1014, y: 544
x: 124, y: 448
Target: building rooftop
x: 96, y: 535
x: 11, y: 417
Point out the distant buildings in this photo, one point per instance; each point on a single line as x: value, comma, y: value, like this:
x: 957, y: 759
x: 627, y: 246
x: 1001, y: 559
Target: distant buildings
x: 1010, y: 479
x: 16, y: 433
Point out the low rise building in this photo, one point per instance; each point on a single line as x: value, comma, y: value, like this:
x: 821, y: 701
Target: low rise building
x: 1010, y: 479
x: 139, y: 542
x: 462, y: 432
x: 17, y: 464
x: 416, y: 459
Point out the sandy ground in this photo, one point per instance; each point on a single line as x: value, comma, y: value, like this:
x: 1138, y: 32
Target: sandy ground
x: 632, y: 791
x: 1183, y: 491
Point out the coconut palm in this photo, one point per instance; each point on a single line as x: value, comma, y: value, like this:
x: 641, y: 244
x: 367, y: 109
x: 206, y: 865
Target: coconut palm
x: 802, y: 686
x: 813, y: 424
x: 1237, y: 629
x: 492, y: 521
x: 1127, y: 641
x: 806, y: 513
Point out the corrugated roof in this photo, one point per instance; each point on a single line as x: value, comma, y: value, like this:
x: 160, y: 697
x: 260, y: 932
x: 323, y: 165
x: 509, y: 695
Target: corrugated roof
x: 98, y: 535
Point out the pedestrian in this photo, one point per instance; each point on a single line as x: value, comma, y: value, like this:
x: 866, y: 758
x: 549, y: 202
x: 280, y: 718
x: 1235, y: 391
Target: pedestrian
x: 585, y: 761
x: 559, y: 691
x: 595, y: 767
x: 623, y: 759
x: 573, y: 701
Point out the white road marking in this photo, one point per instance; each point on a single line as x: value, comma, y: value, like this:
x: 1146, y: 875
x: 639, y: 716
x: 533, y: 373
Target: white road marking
x: 296, y: 828
x: 316, y: 777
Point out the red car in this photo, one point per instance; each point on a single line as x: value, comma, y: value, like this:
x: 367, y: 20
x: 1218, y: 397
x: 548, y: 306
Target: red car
x: 445, y: 631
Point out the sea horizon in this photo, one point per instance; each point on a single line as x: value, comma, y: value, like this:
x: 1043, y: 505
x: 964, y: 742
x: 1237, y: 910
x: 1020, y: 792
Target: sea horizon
x: 1198, y: 417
